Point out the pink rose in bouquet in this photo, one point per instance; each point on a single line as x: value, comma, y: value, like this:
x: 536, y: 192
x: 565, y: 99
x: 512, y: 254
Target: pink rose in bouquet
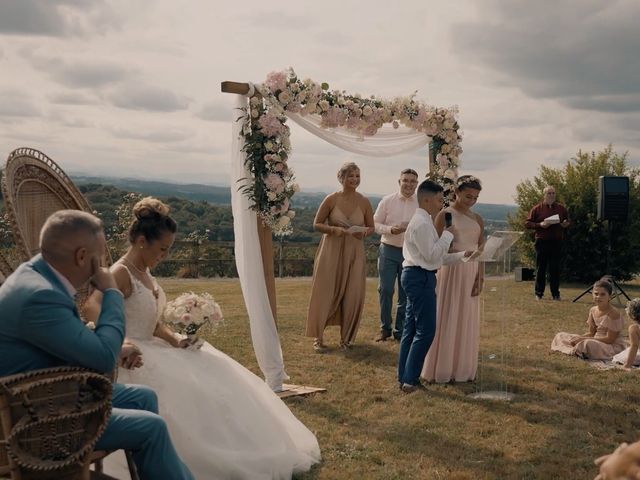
x: 190, y: 311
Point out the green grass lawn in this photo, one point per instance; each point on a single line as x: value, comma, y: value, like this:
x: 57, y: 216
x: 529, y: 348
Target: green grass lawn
x: 565, y: 413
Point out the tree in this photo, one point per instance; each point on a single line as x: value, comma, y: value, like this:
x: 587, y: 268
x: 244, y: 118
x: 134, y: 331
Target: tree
x: 586, y: 245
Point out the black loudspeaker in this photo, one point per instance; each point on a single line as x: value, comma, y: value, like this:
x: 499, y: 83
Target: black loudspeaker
x: 524, y: 274
x: 613, y: 198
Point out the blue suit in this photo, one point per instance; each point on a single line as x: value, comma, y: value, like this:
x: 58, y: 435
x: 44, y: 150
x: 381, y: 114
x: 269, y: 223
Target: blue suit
x: 40, y: 328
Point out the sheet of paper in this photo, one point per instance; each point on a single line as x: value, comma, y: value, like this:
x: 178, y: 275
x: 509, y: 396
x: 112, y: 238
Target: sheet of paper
x: 473, y: 256
x: 357, y: 229
x: 553, y: 219
x: 490, y: 248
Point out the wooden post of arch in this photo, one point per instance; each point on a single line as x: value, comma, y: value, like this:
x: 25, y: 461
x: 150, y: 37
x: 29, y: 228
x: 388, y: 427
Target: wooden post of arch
x: 264, y: 231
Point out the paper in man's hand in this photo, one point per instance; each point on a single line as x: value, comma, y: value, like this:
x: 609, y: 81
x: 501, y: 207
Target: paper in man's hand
x: 552, y: 219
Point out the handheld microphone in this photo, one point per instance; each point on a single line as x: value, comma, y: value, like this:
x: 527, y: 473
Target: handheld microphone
x: 448, y: 220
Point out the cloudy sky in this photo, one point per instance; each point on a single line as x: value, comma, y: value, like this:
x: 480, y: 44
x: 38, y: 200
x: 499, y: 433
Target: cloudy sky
x: 132, y: 88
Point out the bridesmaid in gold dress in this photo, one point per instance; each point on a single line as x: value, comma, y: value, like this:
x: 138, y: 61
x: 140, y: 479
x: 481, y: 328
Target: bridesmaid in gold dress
x: 339, y: 270
x: 453, y: 356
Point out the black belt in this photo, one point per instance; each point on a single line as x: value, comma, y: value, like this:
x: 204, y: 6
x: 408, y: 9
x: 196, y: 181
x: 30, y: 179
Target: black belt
x: 390, y: 246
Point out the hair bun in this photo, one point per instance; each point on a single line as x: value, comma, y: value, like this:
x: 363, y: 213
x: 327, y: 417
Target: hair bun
x: 150, y: 207
x: 608, y: 279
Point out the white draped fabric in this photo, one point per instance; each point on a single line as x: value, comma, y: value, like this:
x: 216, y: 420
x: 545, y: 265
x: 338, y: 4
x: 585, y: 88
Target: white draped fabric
x: 388, y: 141
x: 264, y: 334
x: 266, y: 343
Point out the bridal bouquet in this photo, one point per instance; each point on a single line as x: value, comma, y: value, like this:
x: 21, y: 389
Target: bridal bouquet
x: 190, y: 311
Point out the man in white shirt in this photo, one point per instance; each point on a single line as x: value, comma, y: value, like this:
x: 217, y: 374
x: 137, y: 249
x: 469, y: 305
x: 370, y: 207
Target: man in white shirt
x: 391, y: 219
x: 424, y: 252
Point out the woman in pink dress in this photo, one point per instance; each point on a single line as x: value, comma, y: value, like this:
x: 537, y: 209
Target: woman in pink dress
x: 605, y: 322
x: 453, y: 356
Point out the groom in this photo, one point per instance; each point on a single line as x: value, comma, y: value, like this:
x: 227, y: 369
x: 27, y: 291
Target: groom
x: 40, y: 327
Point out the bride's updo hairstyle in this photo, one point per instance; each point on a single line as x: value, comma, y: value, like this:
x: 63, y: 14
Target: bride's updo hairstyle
x: 151, y: 219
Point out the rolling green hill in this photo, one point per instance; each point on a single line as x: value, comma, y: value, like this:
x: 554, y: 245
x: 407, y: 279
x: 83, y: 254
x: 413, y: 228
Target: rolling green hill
x: 221, y: 195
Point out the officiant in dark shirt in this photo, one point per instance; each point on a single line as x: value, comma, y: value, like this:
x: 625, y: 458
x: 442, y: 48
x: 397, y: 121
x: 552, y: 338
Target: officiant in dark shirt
x: 549, y: 236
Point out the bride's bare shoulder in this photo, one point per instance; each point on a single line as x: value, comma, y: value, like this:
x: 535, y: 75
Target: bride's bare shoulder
x: 122, y: 278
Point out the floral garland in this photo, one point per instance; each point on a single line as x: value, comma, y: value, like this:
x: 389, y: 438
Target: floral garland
x: 267, y: 145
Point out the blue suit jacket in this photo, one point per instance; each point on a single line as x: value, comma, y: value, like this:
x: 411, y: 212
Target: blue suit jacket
x: 40, y: 326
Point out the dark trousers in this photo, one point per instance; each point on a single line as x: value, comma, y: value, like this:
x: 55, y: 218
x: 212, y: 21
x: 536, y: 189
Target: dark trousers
x: 419, y: 323
x: 548, y: 258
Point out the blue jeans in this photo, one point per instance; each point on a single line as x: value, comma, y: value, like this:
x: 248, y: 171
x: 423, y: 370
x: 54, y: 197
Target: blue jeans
x: 135, y: 425
x: 389, y: 270
x: 419, y: 324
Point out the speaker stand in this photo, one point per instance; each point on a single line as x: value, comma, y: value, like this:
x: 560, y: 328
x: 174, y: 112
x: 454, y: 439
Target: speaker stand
x: 617, y: 289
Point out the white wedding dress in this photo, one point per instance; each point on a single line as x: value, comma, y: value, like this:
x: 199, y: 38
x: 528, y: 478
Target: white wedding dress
x: 224, y: 421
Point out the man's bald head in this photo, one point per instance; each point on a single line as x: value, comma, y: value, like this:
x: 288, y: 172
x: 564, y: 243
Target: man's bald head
x: 67, y: 230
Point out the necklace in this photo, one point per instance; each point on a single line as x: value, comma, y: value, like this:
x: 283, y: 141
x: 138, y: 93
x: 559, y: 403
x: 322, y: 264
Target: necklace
x: 141, y: 272
x: 144, y: 273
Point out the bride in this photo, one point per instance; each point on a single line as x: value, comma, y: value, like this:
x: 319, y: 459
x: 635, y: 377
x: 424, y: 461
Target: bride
x: 225, y: 422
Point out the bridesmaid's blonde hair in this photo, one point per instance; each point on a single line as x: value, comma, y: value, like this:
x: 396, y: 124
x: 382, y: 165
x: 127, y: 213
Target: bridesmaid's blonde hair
x: 345, y: 169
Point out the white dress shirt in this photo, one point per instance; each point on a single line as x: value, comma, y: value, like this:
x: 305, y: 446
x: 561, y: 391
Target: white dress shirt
x: 422, y: 247
x: 394, y: 210
x: 71, y: 290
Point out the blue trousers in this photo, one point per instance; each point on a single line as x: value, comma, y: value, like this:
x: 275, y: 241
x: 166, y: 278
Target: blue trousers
x: 419, y: 323
x: 389, y: 270
x: 136, y: 426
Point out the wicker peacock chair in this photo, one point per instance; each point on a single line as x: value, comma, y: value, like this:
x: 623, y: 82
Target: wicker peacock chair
x: 34, y: 187
x: 5, y: 268
x: 50, y: 420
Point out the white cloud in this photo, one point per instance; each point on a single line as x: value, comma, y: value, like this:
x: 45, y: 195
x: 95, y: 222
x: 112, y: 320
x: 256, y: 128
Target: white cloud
x: 215, y: 111
x: 15, y: 103
x: 57, y: 18
x: 155, y: 135
x: 118, y: 87
x: 138, y: 96
x: 73, y: 97
x: 582, y: 53
x: 81, y: 73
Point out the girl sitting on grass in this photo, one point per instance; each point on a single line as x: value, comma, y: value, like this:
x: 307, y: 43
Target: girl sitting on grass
x: 605, y: 322
x: 630, y: 358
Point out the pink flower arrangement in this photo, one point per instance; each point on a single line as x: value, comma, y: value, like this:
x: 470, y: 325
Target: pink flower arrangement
x: 190, y: 311
x: 284, y: 92
x: 271, y: 125
x: 276, y: 81
x: 274, y: 182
